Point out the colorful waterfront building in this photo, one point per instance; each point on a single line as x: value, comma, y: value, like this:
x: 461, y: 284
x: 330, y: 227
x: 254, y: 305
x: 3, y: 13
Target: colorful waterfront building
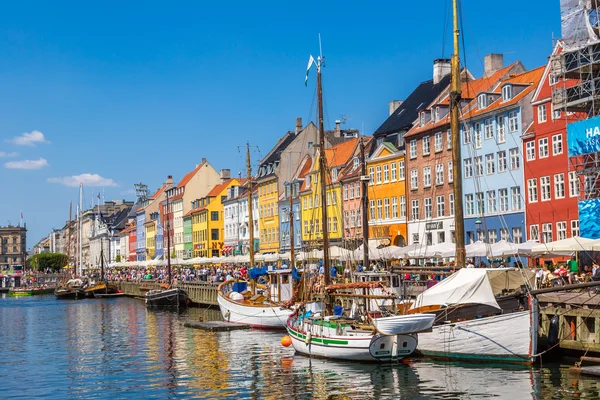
x: 552, y: 190
x: 188, y: 247
x: 428, y: 161
x: 387, y: 195
x: 291, y: 198
x: 153, y: 225
x: 352, y: 205
x: 132, y: 253
x: 237, y: 233
x: 140, y: 223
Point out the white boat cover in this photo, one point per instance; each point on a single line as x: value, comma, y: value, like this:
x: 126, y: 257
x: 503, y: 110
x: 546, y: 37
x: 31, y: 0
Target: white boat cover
x: 404, y: 324
x: 474, y: 286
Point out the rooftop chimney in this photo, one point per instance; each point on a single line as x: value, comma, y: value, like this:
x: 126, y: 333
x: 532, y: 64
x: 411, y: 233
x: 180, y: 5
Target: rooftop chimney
x: 225, y: 175
x: 298, y: 124
x: 441, y: 68
x: 337, y: 127
x: 492, y: 63
x: 169, y: 182
x: 394, y: 105
x: 203, y: 161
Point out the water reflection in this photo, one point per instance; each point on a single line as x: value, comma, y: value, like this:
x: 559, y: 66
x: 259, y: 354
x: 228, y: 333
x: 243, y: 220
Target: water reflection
x: 115, y: 348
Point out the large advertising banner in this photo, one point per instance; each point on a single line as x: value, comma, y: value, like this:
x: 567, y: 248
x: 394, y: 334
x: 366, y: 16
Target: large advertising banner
x: 589, y: 218
x: 583, y: 137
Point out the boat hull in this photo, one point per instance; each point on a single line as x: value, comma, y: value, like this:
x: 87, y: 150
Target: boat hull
x: 501, y: 338
x: 100, y: 288
x: 167, y: 298
x: 20, y: 293
x: 257, y: 316
x: 68, y: 294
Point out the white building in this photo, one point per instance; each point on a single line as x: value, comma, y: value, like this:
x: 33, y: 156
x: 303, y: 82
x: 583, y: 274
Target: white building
x: 237, y: 235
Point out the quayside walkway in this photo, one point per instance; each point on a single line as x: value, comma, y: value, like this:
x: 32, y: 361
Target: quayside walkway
x: 199, y: 292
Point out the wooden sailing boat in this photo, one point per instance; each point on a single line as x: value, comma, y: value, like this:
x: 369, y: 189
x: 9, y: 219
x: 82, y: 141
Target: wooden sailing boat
x: 364, y: 334
x: 102, y: 287
x: 247, y: 302
x: 477, y: 319
x: 70, y: 288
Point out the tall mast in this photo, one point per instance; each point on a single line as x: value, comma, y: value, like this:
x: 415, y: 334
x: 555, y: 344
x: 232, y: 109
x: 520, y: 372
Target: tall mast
x: 250, y: 216
x: 101, y: 259
x: 364, y: 199
x: 80, y: 229
x: 69, y: 233
x: 455, y: 96
x: 168, y: 242
x: 323, y: 174
x: 292, y: 258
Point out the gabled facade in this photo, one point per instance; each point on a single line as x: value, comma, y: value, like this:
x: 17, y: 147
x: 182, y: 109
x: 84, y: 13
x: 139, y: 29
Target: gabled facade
x: 551, y: 189
x: 153, y: 224
x: 291, y: 197
x: 351, y: 201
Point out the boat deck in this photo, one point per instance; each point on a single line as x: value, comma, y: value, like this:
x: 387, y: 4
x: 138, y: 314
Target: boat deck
x: 215, y: 326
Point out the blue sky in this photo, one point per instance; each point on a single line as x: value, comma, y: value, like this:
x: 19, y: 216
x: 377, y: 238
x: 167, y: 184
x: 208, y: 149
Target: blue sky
x: 130, y: 92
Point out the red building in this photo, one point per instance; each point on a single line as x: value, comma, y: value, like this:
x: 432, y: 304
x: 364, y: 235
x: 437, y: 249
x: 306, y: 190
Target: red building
x: 132, y: 256
x: 552, y: 190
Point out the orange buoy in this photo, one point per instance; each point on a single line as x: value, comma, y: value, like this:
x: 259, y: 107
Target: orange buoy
x: 286, y: 341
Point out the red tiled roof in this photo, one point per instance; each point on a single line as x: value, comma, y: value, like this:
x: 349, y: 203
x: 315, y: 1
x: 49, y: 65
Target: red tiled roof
x: 340, y: 154
x: 158, y: 192
x: 139, y: 209
x: 195, y: 210
x: 185, y: 180
x: 215, y: 191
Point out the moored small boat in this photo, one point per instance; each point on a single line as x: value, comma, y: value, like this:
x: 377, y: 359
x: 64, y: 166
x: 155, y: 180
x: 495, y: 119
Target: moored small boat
x: 18, y: 292
x: 99, y: 288
x: 174, y: 297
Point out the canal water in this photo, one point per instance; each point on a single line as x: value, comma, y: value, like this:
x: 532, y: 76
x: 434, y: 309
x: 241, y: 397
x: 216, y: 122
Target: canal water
x: 116, y: 349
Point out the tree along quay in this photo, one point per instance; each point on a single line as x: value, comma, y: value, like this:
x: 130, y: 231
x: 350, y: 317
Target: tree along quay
x: 199, y: 292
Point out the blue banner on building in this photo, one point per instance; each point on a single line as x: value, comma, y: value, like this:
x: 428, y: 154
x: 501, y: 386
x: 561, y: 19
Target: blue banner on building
x: 583, y: 137
x: 589, y: 222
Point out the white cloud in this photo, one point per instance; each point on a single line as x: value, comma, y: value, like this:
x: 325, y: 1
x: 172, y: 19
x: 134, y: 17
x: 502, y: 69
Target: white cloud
x: 130, y: 191
x: 29, y: 139
x: 86, y: 179
x: 4, y: 154
x: 26, y: 164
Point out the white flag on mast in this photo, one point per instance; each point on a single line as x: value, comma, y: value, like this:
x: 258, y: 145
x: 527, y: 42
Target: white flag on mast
x: 311, y: 61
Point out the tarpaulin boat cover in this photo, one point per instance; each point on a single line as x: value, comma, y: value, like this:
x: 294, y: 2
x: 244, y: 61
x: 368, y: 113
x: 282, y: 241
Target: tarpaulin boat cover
x: 474, y: 286
x: 255, y: 273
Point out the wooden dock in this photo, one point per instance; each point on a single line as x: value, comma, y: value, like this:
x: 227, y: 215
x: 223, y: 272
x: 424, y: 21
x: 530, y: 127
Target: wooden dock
x: 215, y: 326
x: 202, y: 293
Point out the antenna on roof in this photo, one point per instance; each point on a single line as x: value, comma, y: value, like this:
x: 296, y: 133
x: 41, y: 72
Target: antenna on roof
x: 344, y: 119
x: 141, y: 192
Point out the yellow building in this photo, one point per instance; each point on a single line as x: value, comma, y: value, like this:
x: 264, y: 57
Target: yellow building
x: 268, y: 215
x: 150, y: 227
x: 387, y: 195
x: 208, y: 228
x: 310, y: 197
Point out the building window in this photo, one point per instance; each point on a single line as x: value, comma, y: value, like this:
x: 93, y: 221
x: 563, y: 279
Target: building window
x: 335, y: 224
x: 214, y: 234
x: 515, y: 160
x: 357, y: 189
x: 506, y: 93
x: 386, y: 173
x: 516, y: 197
x: 501, y: 129
x: 386, y: 208
x: 503, y: 195
x: 504, y: 234
x: 557, y: 146
x: 379, y: 209
x: 467, y: 133
x: 426, y: 148
x: 575, y: 227
x: 394, y: 207
x: 355, y: 163
x: 378, y: 173
x: 502, y: 165
x: 513, y: 122
x: 561, y: 230
x: 492, y: 236
x: 534, y: 232
x: 394, y: 171
x: 491, y: 201
x: 449, y: 139
x: 480, y: 205
x: 427, y: 176
x: 372, y: 209
x: 414, y: 179
x: 573, y: 184
x: 350, y: 191
x: 541, y: 110
x: 532, y: 190
x: 469, y: 205
x: 403, y: 206
x: 545, y: 188
x: 345, y: 192
x: 371, y: 175
x: 490, y: 164
x: 479, y: 166
x: 214, y: 216
x: 555, y: 113
x: 546, y: 233
x: 559, y: 186
x: 451, y: 203
x: 489, y: 129
x: 440, y: 202
x: 415, y: 210
x: 468, y: 167
x: 530, y: 150
x: 517, y: 235
x: 450, y: 172
x: 438, y: 142
x: 415, y: 238
x: 428, y: 208
x: 439, y: 174
x: 413, y: 149
x: 482, y: 101
x: 478, y: 142
x: 401, y: 170
x: 543, y: 147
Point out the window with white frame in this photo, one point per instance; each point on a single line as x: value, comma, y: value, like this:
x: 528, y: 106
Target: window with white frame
x: 489, y: 129
x: 516, y: 197
x: 426, y: 148
x: 468, y: 167
x: 573, y: 184
x: 439, y: 174
x: 350, y: 190
x: 413, y: 149
x: 428, y: 208
x: 394, y: 168
x: 403, y: 206
x: 467, y: 134
x: 491, y: 201
x: 355, y: 163
x: 451, y: 204
x: 448, y: 139
x: 441, y: 206
x: 502, y: 163
x: 482, y: 101
x: 506, y: 93
x: 414, y: 179
x: 574, y: 227
x: 557, y: 145
x: 386, y: 208
x: 561, y: 230
x: 545, y: 188
x: 534, y: 232
x: 345, y: 192
x: 559, y: 186
x: 386, y: 173
x: 469, y: 205
x: 371, y: 175
x: 478, y: 142
x: 543, y: 147
x: 504, y: 234
x: 394, y: 207
x: 552, y: 78
x: 480, y: 203
x: 513, y: 121
x: 401, y: 170
x: 450, y: 172
x: 530, y: 150
x: 438, y: 142
x: 490, y: 164
x: 503, y: 197
x: 492, y: 236
x: 415, y: 210
x: 546, y: 233
x: 427, y: 176
x: 517, y: 235
x: 372, y: 209
x: 541, y: 110
x: 379, y: 209
x: 555, y: 113
x: 415, y: 237
x: 479, y: 166
x: 515, y: 159
x: 378, y: 173
x: 500, y: 126
x: 532, y: 190
x: 357, y: 189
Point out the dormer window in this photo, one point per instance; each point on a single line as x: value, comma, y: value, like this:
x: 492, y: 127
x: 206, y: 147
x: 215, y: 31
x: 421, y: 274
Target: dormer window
x: 334, y: 174
x: 422, y: 118
x: 506, y: 93
x: 355, y: 163
x: 307, y: 181
x: 436, y: 114
x: 482, y: 101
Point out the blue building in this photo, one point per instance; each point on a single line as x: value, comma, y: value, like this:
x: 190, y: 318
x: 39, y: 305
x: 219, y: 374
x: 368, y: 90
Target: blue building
x: 492, y: 168
x: 284, y: 218
x: 140, y: 219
